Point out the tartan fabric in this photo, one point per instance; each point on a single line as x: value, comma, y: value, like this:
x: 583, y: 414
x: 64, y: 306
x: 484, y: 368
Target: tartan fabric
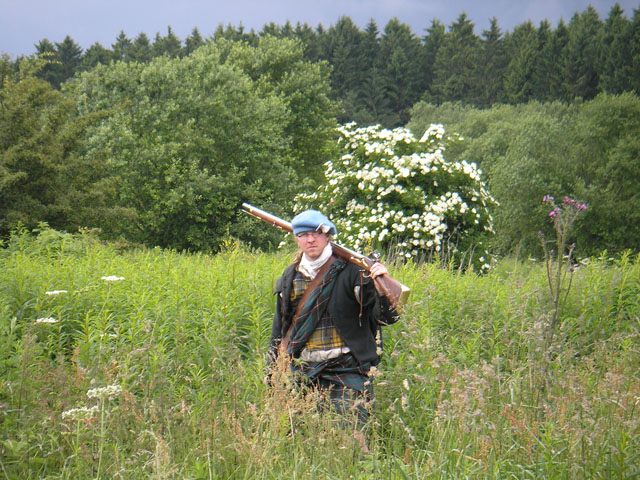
x: 343, y: 371
x: 300, y: 284
x: 313, y: 309
x: 348, y: 388
x: 326, y: 335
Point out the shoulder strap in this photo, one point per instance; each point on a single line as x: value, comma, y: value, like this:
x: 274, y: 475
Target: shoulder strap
x: 312, y: 285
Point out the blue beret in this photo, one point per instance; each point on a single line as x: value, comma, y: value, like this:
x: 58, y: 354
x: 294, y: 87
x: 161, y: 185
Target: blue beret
x: 311, y: 220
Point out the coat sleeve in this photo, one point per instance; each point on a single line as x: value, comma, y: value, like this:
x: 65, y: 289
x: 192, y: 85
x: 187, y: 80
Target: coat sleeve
x: 378, y: 306
x: 276, y: 326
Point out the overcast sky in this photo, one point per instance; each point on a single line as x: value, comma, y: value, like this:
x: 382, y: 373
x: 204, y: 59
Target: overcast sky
x: 23, y: 23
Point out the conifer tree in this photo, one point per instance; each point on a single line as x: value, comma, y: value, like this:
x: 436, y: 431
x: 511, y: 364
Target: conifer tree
x: 50, y: 72
x: 431, y: 45
x: 69, y: 54
x: 373, y: 101
x: 140, y: 50
x: 615, y: 76
x: 169, y: 45
x: 193, y: 41
x: 635, y: 51
x: 456, y: 64
x: 523, y: 52
x: 309, y: 38
x: 399, y: 54
x: 492, y: 67
x: 582, y: 61
x: 545, y: 76
x: 94, y: 55
x: 122, y: 47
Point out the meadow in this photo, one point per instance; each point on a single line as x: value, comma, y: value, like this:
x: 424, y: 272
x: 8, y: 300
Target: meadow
x: 122, y: 362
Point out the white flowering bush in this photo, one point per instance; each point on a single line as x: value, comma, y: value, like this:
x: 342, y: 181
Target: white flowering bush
x: 390, y: 190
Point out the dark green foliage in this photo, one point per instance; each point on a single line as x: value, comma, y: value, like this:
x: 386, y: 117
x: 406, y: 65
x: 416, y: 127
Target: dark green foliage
x: 377, y: 77
x: 587, y: 151
x: 42, y: 178
x: 188, y: 140
x: 456, y: 64
x: 582, y: 59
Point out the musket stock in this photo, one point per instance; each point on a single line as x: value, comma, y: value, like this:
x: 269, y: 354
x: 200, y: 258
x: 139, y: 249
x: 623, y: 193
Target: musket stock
x: 396, y: 292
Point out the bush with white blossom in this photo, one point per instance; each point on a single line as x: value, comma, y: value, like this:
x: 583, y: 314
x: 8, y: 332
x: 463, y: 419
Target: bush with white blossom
x: 391, y: 191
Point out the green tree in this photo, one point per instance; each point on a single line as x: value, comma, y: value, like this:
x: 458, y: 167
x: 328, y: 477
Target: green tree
x: 8, y: 69
x: 193, y: 41
x: 189, y: 139
x: 140, y: 50
x: 432, y: 42
x: 345, y: 56
x: 42, y: 178
x: 168, y: 45
x: 615, y: 76
x: 399, y: 56
x: 519, y: 78
x: 122, y: 48
x: 373, y: 104
x: 456, y: 65
x: 69, y: 54
x: 491, y: 71
x: 94, y: 55
x: 635, y: 51
x: 582, y: 60
x: 50, y: 71
x: 605, y: 151
x: 546, y: 76
x: 309, y: 38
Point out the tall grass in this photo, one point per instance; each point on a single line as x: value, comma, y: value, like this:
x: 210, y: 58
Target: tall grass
x: 181, y: 337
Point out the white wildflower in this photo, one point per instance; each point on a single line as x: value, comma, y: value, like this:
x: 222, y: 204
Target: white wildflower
x: 81, y: 413
x: 111, y: 278
x: 46, y: 320
x: 55, y: 292
x: 109, y: 391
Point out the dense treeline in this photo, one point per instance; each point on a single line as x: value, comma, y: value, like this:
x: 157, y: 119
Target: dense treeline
x: 586, y: 150
x: 163, y: 153
x: 160, y: 148
x: 379, y: 75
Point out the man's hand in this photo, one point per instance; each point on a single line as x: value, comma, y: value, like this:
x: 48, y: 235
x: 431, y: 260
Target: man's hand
x: 377, y: 270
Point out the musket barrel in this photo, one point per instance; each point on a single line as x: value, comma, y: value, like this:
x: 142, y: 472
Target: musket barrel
x: 396, y: 292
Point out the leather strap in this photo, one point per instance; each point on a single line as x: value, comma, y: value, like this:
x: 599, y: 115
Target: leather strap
x: 312, y: 285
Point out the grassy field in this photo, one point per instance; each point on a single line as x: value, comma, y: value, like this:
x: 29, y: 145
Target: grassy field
x: 143, y: 363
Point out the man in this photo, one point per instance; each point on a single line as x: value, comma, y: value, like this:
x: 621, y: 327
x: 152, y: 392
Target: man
x: 328, y: 318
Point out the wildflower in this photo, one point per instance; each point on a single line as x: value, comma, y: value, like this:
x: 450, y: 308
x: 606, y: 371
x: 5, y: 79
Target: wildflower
x: 111, y: 278
x: 82, y: 413
x: 109, y: 391
x: 373, y: 371
x: 46, y: 320
x: 55, y: 292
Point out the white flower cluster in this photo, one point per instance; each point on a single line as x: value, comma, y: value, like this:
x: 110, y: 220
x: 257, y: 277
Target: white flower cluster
x: 81, y: 413
x: 111, y: 278
x: 388, y: 188
x: 45, y: 320
x: 110, y: 391
x: 55, y: 292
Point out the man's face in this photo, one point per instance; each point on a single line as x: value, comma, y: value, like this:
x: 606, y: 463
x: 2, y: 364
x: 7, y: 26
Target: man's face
x: 312, y: 243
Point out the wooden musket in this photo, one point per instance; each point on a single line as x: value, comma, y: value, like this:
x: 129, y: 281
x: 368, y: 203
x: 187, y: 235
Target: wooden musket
x: 396, y: 292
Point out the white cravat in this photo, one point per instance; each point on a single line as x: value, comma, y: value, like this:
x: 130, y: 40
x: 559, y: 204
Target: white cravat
x: 309, y: 268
